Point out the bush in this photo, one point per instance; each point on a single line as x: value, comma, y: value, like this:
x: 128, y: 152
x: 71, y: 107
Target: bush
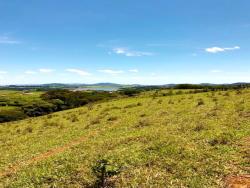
x: 11, y: 114
x: 222, y: 139
x: 130, y: 92
x: 200, y: 102
x: 65, y: 99
x: 38, y: 109
x: 103, y: 170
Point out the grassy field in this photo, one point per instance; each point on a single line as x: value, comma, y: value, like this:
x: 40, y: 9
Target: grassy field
x: 12, y: 102
x: 152, y: 140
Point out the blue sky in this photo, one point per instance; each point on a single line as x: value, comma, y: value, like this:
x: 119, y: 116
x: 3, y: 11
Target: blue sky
x: 132, y: 41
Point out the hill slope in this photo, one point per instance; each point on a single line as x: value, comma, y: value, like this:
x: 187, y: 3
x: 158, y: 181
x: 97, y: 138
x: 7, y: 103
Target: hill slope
x: 189, y: 140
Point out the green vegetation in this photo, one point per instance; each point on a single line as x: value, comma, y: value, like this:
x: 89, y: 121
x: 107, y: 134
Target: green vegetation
x: 162, y: 138
x: 16, y: 105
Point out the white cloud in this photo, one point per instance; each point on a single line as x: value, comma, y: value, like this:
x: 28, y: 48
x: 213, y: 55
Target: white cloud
x: 78, y: 71
x: 219, y: 49
x: 3, y: 72
x: 30, y: 72
x: 133, y: 70
x: 7, y: 40
x: 216, y: 71
x: 110, y: 71
x: 129, y: 53
x: 46, y: 70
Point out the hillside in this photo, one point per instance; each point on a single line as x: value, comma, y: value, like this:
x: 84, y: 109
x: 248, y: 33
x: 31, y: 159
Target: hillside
x: 185, y: 140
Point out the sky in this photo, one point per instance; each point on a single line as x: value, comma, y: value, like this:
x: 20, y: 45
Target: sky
x: 124, y: 41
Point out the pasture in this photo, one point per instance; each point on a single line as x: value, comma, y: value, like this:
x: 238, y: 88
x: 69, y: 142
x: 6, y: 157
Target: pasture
x: 150, y: 140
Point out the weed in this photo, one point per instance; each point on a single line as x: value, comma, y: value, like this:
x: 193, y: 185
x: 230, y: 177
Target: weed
x: 199, y: 127
x: 200, y: 102
x: 112, y: 118
x: 49, y: 116
x: 104, y: 170
x: 142, y: 115
x: 142, y: 123
x: 74, y: 118
x: 139, y: 104
x: 222, y: 139
x: 159, y: 101
x: 170, y: 102
x: 95, y: 121
x: 28, y: 130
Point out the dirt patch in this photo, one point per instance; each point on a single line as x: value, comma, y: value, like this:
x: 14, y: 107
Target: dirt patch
x: 242, y: 181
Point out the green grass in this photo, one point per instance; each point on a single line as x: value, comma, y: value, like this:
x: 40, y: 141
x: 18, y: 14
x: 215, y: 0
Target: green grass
x: 154, y: 141
x: 11, y: 103
x: 12, y: 98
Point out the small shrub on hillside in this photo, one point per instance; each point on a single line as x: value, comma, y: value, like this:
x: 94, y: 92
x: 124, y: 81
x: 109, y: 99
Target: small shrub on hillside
x: 90, y: 107
x: 74, y: 119
x: 139, y: 104
x: 142, y: 115
x: 238, y: 92
x: 215, y: 99
x: 28, y: 130
x: 142, y: 123
x: 112, y: 118
x: 222, y: 139
x: 200, y: 102
x: 18, y: 131
x: 49, y: 116
x: 104, y: 170
x: 199, y: 127
x: 170, y: 102
x: 95, y: 121
x: 159, y: 101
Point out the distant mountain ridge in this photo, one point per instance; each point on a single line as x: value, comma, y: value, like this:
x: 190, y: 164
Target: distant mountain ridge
x: 99, y: 86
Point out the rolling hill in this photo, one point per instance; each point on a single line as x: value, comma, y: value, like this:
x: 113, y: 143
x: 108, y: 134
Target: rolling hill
x: 151, y: 140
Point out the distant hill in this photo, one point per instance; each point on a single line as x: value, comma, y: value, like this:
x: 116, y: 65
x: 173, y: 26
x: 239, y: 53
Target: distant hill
x: 114, y: 86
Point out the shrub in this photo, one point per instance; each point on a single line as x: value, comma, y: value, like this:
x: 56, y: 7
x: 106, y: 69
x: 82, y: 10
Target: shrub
x: 28, y: 130
x: 200, y: 102
x: 130, y: 92
x: 222, y: 139
x: 11, y: 114
x: 112, y: 118
x: 74, y: 118
x: 199, y: 127
x: 159, y: 101
x: 142, y: 123
x: 170, y: 102
x: 142, y: 115
x: 95, y: 121
x: 104, y: 170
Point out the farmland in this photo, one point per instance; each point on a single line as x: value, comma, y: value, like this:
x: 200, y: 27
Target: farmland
x: 150, y: 140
